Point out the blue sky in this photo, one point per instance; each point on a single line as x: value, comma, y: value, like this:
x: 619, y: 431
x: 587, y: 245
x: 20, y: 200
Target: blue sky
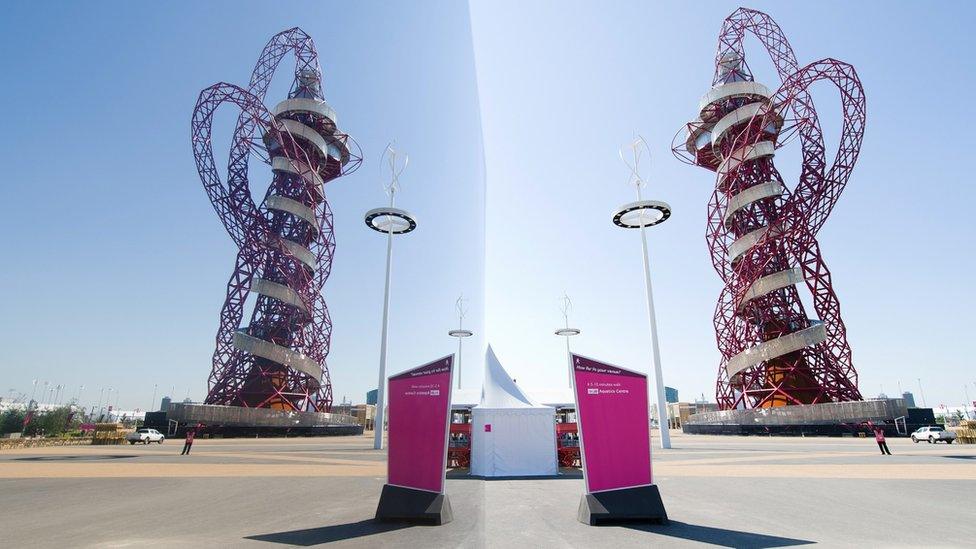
x: 512, y: 112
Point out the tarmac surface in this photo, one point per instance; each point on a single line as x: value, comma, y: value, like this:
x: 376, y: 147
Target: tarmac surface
x: 719, y: 491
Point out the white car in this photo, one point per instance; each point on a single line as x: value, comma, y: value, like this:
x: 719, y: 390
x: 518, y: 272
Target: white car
x: 145, y: 436
x: 933, y: 434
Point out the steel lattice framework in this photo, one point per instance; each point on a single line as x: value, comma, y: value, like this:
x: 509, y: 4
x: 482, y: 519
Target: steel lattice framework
x: 286, y: 243
x: 762, y: 234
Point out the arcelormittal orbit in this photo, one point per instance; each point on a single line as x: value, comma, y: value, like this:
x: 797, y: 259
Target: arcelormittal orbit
x: 277, y: 358
x: 762, y: 232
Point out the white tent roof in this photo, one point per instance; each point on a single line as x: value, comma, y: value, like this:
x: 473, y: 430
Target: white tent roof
x: 499, y: 391
x: 557, y: 397
x: 513, y: 435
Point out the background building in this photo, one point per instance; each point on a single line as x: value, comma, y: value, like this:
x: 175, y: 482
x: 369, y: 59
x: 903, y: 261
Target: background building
x: 364, y: 414
x: 909, y: 399
x: 679, y: 412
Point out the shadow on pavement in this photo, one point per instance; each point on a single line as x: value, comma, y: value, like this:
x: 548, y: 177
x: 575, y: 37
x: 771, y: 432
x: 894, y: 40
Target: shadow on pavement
x: 717, y: 536
x: 327, y: 534
x: 73, y: 458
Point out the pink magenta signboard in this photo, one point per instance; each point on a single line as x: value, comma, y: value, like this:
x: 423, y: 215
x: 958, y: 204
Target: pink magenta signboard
x: 419, y: 417
x: 611, y: 408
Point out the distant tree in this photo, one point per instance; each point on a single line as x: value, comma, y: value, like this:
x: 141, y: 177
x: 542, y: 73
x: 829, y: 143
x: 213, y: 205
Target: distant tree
x: 12, y: 421
x: 53, y: 422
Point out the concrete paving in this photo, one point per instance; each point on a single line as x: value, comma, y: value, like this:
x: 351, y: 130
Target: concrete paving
x: 719, y: 491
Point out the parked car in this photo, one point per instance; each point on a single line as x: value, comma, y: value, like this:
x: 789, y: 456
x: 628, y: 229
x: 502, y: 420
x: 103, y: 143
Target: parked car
x: 933, y: 434
x: 145, y: 436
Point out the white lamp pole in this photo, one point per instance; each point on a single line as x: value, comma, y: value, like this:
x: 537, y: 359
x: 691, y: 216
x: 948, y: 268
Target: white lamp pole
x: 391, y: 221
x: 566, y: 306
x: 966, y: 406
x: 460, y: 333
x: 640, y: 215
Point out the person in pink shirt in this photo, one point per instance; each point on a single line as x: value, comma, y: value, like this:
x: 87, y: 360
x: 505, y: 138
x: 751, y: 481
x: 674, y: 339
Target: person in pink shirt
x: 880, y: 438
x: 191, y: 432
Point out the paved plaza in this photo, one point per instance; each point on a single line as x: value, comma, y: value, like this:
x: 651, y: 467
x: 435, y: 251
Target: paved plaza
x: 723, y: 491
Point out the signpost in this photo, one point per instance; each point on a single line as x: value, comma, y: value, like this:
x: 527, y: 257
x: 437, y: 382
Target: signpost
x: 419, y: 419
x: 615, y: 446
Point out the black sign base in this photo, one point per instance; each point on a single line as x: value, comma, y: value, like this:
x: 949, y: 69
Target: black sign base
x: 641, y: 504
x: 409, y: 505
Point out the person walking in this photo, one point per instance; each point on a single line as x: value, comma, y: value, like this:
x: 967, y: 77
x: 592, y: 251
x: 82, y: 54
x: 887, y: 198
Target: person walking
x: 880, y: 439
x: 190, y: 433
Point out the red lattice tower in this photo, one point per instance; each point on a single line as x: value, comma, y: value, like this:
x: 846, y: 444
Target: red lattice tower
x: 276, y: 360
x: 761, y: 233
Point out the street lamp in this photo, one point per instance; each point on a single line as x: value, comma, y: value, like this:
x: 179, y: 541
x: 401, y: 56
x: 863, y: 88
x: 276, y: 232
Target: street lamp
x: 460, y: 333
x: 640, y: 215
x: 966, y: 406
x: 153, y: 401
x: 566, y: 306
x: 391, y: 221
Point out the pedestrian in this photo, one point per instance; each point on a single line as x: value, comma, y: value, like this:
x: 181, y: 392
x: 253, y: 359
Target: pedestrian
x: 190, y: 433
x: 880, y: 438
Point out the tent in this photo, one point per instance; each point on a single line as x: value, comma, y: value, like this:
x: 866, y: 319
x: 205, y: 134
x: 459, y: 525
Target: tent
x: 513, y: 435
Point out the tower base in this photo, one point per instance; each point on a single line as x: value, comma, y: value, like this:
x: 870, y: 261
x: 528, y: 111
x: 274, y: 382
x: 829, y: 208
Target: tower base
x: 640, y: 504
x: 409, y: 505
